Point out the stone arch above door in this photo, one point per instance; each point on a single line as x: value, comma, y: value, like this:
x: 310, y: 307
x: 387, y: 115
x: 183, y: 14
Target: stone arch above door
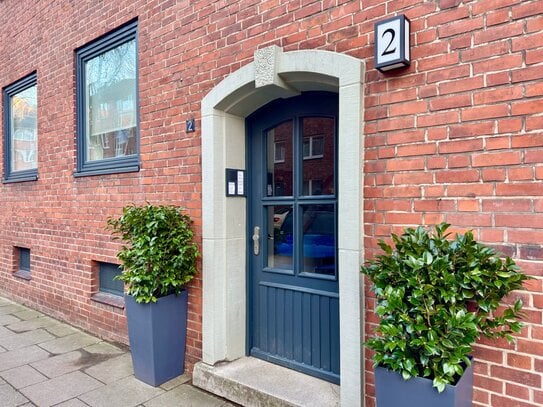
x: 276, y: 74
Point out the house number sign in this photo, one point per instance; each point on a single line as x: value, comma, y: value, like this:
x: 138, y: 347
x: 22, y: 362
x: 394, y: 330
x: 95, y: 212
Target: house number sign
x: 392, y: 43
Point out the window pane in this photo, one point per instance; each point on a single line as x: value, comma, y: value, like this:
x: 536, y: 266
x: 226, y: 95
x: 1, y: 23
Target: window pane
x: 280, y: 237
x: 318, y: 156
x: 279, y: 176
x: 24, y: 259
x: 110, y: 94
x: 24, y: 130
x: 319, y: 247
x: 108, y: 283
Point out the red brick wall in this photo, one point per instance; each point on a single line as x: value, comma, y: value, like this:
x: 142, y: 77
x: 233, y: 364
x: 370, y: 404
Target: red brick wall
x: 455, y: 137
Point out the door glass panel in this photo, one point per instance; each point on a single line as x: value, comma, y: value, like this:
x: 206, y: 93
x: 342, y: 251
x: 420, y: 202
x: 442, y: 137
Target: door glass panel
x: 280, y: 237
x: 279, y: 160
x: 319, y: 240
x: 318, y: 156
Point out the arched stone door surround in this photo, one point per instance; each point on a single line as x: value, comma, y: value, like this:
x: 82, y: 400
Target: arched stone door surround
x: 272, y: 75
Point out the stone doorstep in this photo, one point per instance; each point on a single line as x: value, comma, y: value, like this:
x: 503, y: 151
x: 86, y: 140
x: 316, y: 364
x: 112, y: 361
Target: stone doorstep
x: 253, y: 382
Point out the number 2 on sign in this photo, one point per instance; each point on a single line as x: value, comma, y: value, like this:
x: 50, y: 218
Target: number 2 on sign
x: 388, y: 50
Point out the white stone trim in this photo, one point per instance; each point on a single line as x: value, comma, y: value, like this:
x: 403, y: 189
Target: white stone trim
x: 224, y: 110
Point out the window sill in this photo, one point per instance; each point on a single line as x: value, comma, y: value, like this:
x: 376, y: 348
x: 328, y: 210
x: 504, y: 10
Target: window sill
x: 106, y: 171
x: 20, y: 178
x: 23, y: 274
x: 109, y: 299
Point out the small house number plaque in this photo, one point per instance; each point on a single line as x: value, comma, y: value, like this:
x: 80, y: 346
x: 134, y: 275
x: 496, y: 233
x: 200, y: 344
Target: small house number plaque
x: 392, y: 43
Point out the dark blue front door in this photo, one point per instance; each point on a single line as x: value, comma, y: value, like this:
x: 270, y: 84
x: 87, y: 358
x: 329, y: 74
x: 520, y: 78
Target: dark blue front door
x: 293, y: 275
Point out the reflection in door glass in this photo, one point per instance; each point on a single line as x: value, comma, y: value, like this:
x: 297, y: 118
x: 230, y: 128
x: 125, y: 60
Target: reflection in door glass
x: 319, y: 240
x: 318, y: 155
x: 280, y: 237
x: 279, y: 160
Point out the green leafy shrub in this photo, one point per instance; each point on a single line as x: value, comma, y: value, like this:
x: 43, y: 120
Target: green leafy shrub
x: 435, y: 297
x: 158, y: 255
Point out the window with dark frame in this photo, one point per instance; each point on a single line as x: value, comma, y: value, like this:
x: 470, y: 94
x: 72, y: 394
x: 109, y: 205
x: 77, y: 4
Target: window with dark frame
x: 23, y: 269
x: 21, y: 130
x: 107, y: 281
x: 107, y: 104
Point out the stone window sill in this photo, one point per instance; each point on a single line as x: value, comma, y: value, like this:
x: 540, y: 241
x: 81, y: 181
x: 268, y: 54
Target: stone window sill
x: 109, y: 299
x: 23, y: 274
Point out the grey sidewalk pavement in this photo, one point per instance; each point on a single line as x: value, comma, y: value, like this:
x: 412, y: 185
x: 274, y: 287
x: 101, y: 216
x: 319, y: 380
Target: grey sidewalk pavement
x: 44, y: 362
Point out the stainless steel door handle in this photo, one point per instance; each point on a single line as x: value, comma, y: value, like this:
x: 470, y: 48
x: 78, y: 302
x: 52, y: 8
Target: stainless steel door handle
x: 256, y: 240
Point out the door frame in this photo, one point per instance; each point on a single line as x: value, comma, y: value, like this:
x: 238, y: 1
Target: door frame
x: 272, y: 75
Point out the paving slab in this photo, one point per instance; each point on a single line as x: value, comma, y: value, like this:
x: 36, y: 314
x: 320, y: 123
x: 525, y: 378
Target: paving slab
x: 10, y: 397
x: 25, y: 339
x: 69, y: 343
x: 127, y: 392
x: 64, y: 363
x: 7, y: 319
x: 31, y: 324
x: 73, y: 403
x: 113, y: 369
x: 176, y: 381
x: 60, y: 330
x: 20, y: 357
x: 5, y: 332
x: 105, y: 347
x: 11, y: 309
x: 22, y: 376
x: 61, y: 388
x: 186, y: 396
x: 5, y: 301
x: 27, y: 314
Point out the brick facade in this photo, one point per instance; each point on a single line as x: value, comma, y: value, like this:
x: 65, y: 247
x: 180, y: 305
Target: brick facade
x: 455, y: 137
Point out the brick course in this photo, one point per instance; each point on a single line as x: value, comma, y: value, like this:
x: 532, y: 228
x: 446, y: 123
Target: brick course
x: 455, y: 137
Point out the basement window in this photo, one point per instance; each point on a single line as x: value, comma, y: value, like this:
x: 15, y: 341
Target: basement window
x: 22, y: 255
x: 110, y: 290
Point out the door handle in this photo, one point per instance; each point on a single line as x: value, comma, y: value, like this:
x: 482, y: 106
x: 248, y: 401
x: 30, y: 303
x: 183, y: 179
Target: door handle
x: 256, y: 240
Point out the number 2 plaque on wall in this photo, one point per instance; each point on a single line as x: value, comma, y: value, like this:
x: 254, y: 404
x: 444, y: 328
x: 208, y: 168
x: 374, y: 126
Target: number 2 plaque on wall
x: 392, y: 43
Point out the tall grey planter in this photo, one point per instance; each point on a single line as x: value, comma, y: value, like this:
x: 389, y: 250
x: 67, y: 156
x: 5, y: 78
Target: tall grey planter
x: 157, y: 334
x: 393, y: 391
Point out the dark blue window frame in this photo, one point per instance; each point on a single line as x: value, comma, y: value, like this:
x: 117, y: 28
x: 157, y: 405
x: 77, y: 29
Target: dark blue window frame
x: 9, y: 91
x: 99, y: 46
x: 107, y: 282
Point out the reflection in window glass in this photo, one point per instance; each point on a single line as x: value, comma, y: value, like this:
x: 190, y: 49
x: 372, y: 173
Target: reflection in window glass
x: 280, y: 237
x: 24, y: 129
x: 279, y: 171
x: 319, y: 240
x: 318, y: 166
x: 110, y: 95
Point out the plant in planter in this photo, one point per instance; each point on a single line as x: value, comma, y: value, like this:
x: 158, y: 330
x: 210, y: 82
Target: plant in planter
x: 159, y: 258
x: 435, y: 297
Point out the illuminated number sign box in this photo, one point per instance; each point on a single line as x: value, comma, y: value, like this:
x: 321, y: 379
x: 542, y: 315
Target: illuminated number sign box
x: 392, y: 43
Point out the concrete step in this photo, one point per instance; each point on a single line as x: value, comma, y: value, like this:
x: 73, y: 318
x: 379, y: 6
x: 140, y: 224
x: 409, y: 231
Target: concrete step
x: 253, y: 382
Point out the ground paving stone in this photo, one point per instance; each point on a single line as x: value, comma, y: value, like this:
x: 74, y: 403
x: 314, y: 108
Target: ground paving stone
x: 9, y: 397
x: 62, y: 388
x: 31, y: 324
x: 69, y: 343
x: 105, y: 347
x: 64, y: 363
x: 27, y: 314
x: 60, y: 330
x: 113, y: 369
x: 22, y: 376
x: 25, y: 339
x: 5, y: 332
x: 73, y: 403
x: 176, y: 381
x: 7, y: 319
x: 186, y: 396
x: 20, y: 357
x: 127, y: 392
x: 11, y: 309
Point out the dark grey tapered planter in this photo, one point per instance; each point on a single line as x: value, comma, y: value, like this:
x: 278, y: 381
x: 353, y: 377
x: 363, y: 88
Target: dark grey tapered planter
x: 393, y: 391
x: 157, y: 337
